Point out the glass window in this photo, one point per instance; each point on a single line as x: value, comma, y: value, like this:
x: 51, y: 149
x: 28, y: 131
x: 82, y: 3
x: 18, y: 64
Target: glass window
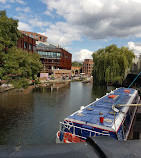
x: 34, y: 48
x: 54, y: 54
x: 31, y: 35
x: 58, y: 54
x: 25, y: 45
x: 66, y: 56
x: 36, y: 36
x: 30, y: 46
x: 40, y: 38
x: 44, y: 39
x: 49, y: 54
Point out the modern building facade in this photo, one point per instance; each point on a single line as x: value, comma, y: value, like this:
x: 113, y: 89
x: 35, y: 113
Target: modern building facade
x: 36, y: 36
x: 53, y: 57
x: 26, y: 43
x: 87, y: 67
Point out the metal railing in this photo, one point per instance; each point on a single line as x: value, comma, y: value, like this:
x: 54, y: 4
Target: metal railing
x: 69, y: 126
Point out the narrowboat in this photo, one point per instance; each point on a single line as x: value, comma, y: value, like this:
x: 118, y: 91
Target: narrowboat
x: 111, y: 115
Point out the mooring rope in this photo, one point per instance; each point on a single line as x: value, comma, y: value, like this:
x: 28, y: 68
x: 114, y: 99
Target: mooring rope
x: 134, y: 80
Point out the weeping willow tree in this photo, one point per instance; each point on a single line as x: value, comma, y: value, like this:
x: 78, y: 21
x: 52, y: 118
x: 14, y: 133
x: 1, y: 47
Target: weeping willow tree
x: 111, y: 64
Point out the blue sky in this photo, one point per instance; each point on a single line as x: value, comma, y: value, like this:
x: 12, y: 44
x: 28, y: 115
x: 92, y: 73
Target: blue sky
x: 80, y: 26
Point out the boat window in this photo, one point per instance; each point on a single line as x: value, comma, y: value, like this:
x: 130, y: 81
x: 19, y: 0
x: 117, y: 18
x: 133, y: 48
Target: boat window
x: 89, y: 109
x: 125, y: 125
x: 131, y: 110
x: 135, y: 100
x: 124, y: 129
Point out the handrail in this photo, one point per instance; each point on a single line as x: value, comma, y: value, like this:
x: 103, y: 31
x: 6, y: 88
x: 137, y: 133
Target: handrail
x: 103, y: 134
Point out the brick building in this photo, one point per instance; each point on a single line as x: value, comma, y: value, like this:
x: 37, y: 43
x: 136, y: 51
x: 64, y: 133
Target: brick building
x: 76, y: 70
x: 26, y: 43
x: 53, y: 57
x: 35, y: 36
x: 59, y: 73
x: 87, y: 67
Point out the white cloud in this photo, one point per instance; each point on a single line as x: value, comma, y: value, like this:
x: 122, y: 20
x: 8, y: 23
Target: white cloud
x: 135, y: 47
x: 81, y: 55
x: 99, y: 19
x: 3, y: 1
x: 37, y: 22
x: 6, y: 6
x: 47, y: 12
x: 24, y: 26
x: 18, y: 1
x: 62, y: 33
x: 26, y: 10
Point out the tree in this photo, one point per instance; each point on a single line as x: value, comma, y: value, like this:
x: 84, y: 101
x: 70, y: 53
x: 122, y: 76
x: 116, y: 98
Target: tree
x: 19, y: 66
x: 111, y: 63
x: 16, y: 65
x: 76, y: 64
x: 8, y: 31
x: 8, y: 34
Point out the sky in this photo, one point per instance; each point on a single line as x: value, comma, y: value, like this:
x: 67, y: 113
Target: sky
x: 80, y: 26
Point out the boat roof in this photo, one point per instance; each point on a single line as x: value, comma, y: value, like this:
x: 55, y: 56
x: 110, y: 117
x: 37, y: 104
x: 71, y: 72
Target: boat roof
x: 90, y: 115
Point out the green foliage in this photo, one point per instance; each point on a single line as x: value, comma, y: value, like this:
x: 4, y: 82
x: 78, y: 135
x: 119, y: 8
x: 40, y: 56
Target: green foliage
x: 8, y: 31
x: 16, y: 65
x: 76, y: 64
x: 111, y: 63
x: 20, y: 83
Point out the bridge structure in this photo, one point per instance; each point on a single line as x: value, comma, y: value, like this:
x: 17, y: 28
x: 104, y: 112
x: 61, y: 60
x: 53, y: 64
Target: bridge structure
x: 133, y: 73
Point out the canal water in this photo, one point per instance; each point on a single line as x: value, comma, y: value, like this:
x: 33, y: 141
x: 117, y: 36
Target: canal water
x: 33, y: 116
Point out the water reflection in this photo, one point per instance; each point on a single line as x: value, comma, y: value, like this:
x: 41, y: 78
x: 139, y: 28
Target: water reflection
x: 33, y: 116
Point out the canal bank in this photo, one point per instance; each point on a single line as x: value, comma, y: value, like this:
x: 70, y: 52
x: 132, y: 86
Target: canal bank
x: 45, y: 82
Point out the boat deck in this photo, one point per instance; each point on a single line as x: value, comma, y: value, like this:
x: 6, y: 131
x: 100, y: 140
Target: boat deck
x: 103, y: 107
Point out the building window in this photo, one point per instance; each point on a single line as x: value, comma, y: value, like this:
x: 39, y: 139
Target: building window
x: 58, y: 55
x: 51, y: 54
x: 40, y: 38
x: 25, y: 45
x: 46, y: 53
x: 31, y: 35
x: 66, y: 56
x: 36, y: 36
x: 25, y: 33
x: 34, y: 48
x: 30, y: 47
x: 54, y: 54
x: 44, y: 39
